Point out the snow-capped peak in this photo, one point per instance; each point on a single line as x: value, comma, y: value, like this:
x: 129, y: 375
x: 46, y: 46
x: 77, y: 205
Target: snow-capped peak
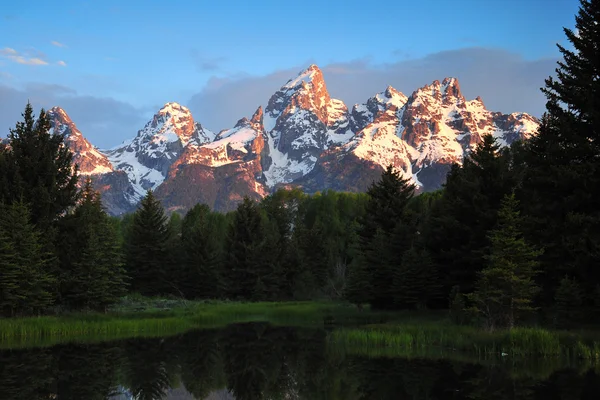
x: 312, y: 73
x: 86, y: 156
x: 147, y: 158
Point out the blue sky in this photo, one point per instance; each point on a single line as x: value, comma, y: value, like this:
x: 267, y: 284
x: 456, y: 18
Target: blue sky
x: 111, y: 64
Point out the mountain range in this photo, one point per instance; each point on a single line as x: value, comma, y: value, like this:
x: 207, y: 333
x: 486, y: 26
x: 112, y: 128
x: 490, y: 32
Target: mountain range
x: 302, y: 138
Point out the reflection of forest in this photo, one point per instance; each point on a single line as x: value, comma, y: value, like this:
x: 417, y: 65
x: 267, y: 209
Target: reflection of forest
x: 259, y: 361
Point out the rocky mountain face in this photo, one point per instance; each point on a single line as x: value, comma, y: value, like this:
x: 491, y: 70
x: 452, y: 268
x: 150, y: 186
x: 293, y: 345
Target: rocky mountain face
x: 87, y: 157
x: 118, y: 195
x: 302, y: 138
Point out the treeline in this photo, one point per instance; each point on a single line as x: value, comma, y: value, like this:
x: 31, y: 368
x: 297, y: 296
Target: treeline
x: 290, y: 246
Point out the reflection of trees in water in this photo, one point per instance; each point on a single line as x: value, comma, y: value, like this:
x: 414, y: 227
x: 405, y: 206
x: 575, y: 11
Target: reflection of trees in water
x: 201, y: 363
x: 259, y: 361
x: 149, y: 368
x: 25, y: 374
x: 86, y: 372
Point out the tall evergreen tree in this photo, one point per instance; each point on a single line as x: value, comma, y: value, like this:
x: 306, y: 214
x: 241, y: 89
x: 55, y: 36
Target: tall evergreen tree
x: 43, y: 174
x: 455, y: 233
x: 148, y: 257
x: 416, y: 282
x: 250, y: 270
x: 561, y: 183
x: 92, y: 273
x: 313, y: 262
x: 383, y: 216
x: 506, y: 289
x: 569, y: 300
x: 25, y: 281
x: 201, y: 239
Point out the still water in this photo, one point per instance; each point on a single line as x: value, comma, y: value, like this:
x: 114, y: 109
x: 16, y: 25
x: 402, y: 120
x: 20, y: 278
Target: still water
x: 261, y: 361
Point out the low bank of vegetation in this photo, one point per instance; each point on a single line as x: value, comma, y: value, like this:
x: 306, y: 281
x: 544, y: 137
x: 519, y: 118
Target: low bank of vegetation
x: 405, y: 339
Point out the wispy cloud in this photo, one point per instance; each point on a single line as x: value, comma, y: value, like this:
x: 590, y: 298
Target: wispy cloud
x: 62, y: 63
x: 29, y: 58
x: 205, y: 63
x: 5, y: 75
x: 57, y: 44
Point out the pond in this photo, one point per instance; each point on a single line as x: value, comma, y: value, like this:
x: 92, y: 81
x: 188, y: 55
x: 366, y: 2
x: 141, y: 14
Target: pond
x: 262, y: 361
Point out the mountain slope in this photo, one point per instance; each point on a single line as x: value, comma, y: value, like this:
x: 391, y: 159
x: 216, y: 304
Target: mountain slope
x: 221, y: 172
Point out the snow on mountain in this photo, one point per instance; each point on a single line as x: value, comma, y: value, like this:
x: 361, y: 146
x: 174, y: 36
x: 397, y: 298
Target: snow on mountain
x: 304, y: 138
x: 147, y: 158
x: 85, y: 155
x: 228, y: 146
x: 301, y: 121
x: 421, y: 136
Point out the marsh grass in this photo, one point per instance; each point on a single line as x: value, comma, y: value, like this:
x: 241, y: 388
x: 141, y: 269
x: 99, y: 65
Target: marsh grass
x: 403, y: 339
x: 159, y: 317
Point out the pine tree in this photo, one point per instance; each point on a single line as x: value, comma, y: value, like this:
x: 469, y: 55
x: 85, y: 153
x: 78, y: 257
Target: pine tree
x: 250, y: 270
x: 43, y: 174
x: 416, y: 283
x: 561, y: 183
x: 92, y: 274
x: 358, y: 288
x: 148, y: 255
x: 506, y: 289
x: 455, y: 231
x: 569, y: 299
x: 383, y: 215
x: 313, y: 261
x: 25, y: 282
x: 201, y: 244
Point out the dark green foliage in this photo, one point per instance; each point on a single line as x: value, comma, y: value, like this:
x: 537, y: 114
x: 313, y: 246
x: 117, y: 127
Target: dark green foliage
x: 384, y: 234
x: 148, y: 256
x: 25, y: 280
x: 456, y: 300
x: 250, y: 270
x: 312, y: 268
x: 202, y: 236
x: 387, y: 199
x: 335, y: 216
x: 92, y: 273
x: 416, y: 282
x: 455, y: 233
x: 505, y: 289
x: 281, y: 211
x: 40, y: 171
x: 561, y: 183
x: 358, y: 289
x: 569, y: 299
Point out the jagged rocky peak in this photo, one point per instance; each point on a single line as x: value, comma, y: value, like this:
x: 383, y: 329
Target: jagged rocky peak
x: 85, y: 155
x: 173, y: 118
x: 447, y: 92
x: 257, y: 119
x: 364, y: 114
x: 307, y: 91
x: 147, y: 158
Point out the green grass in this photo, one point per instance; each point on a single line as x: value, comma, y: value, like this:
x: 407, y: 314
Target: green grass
x: 160, y: 317
x: 406, y: 338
